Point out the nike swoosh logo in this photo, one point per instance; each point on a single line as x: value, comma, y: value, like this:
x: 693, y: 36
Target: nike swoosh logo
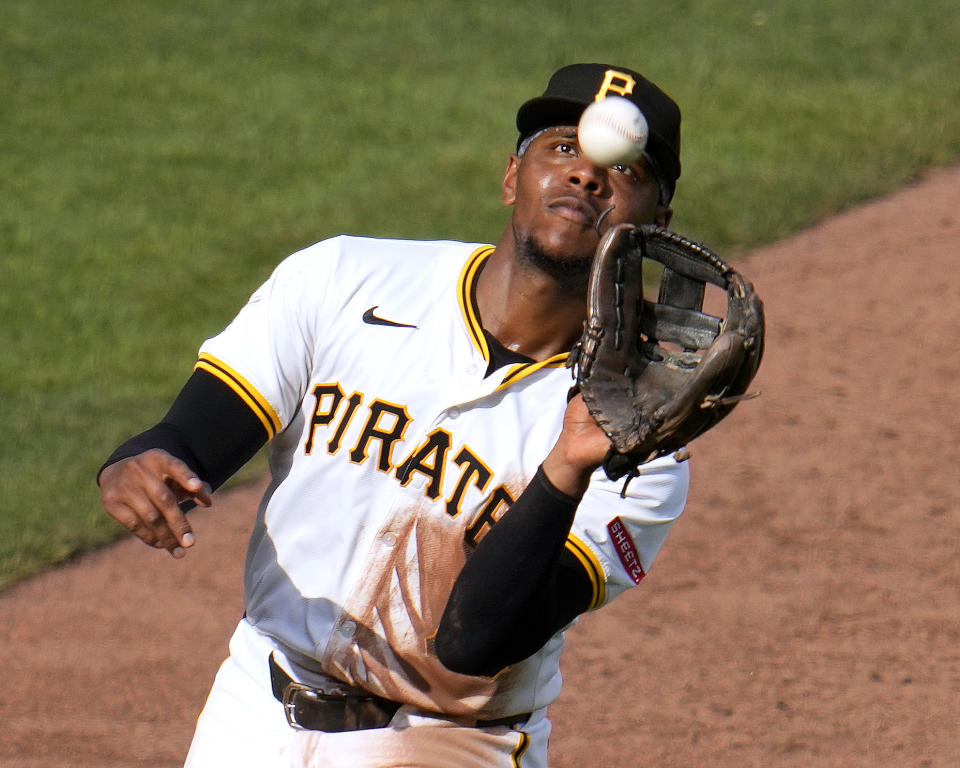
x: 372, y: 319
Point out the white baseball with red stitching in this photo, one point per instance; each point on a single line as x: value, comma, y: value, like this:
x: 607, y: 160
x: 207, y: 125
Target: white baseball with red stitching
x: 612, y: 131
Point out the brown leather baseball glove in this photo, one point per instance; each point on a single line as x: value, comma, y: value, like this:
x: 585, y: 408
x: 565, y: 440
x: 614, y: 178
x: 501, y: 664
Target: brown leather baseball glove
x: 656, y: 374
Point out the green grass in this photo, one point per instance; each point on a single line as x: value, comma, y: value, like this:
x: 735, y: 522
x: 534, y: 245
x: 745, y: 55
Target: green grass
x: 158, y: 159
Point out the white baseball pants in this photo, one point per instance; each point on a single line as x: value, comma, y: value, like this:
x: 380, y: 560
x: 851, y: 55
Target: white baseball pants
x: 242, y: 725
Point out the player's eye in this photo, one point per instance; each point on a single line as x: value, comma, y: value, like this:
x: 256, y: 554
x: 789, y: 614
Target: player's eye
x: 566, y: 148
x: 627, y: 170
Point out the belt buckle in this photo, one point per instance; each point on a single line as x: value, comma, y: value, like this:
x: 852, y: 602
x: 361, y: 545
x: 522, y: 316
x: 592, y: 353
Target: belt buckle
x: 290, y: 695
x: 332, y: 711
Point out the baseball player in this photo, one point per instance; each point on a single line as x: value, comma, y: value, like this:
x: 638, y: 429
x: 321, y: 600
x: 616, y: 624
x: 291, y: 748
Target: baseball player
x: 415, y: 399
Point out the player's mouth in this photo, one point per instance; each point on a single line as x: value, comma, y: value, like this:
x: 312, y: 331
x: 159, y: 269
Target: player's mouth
x: 575, y: 210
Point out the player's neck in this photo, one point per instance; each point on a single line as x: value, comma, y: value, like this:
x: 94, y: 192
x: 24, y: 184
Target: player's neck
x: 526, y: 311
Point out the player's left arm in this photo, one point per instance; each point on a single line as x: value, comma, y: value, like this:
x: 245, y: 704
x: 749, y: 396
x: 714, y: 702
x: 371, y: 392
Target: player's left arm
x: 522, y: 585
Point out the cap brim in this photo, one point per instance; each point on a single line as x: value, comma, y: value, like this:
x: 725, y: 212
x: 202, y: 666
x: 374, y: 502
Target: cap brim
x: 543, y: 112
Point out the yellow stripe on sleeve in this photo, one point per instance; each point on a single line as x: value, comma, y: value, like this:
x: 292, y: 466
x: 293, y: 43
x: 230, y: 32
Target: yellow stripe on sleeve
x: 245, y: 391
x: 592, y: 567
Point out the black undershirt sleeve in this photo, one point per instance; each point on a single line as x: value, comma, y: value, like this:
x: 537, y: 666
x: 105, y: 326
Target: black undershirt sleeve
x: 208, y: 427
x: 518, y: 588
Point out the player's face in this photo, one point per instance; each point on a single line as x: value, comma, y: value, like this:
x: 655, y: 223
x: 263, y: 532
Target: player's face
x: 558, y: 195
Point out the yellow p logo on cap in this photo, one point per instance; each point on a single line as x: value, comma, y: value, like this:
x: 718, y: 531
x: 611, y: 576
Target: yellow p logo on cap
x: 617, y: 82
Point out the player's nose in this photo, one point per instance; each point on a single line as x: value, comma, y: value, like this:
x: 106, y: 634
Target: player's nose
x: 588, y: 175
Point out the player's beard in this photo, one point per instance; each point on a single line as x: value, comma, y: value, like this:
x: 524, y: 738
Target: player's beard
x: 571, y: 274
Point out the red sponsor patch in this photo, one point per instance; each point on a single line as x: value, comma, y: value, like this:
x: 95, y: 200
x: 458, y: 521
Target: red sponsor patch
x: 626, y: 549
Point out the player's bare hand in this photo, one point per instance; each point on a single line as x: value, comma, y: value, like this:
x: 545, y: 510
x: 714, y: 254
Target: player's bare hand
x: 579, y: 450
x: 143, y: 494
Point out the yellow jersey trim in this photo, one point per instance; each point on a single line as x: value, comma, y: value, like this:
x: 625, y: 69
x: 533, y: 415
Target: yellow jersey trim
x: 592, y: 567
x: 521, y: 748
x: 245, y: 391
x: 521, y: 370
x: 468, y: 277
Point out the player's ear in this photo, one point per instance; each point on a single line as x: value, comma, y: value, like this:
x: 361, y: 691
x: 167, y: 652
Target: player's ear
x: 508, y: 189
x: 663, y: 215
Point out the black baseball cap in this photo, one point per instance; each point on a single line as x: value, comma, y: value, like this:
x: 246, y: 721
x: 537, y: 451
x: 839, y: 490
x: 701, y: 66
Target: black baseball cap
x: 574, y: 87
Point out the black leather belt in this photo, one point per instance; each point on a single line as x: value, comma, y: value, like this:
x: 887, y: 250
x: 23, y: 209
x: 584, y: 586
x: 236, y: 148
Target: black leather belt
x: 342, y: 708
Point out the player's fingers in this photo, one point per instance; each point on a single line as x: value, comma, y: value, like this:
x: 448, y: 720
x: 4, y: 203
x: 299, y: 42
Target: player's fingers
x: 131, y: 520
x: 198, y: 494
x: 143, y: 494
x: 179, y: 483
x: 163, y: 513
x: 183, y: 480
x: 203, y: 497
x: 150, y: 508
x: 143, y: 488
x: 123, y: 497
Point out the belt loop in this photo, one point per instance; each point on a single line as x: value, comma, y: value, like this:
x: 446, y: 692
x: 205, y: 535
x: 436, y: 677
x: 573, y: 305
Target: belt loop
x: 279, y: 679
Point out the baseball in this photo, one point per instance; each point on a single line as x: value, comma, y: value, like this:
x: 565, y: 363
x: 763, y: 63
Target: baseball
x: 612, y: 131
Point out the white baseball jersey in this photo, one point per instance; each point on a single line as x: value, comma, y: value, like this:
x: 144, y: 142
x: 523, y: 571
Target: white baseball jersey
x: 392, y: 455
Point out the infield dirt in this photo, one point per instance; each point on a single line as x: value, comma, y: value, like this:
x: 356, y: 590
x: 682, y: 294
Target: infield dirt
x: 805, y: 610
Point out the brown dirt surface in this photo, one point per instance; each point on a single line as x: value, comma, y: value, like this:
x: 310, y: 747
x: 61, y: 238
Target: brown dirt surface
x: 805, y: 610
